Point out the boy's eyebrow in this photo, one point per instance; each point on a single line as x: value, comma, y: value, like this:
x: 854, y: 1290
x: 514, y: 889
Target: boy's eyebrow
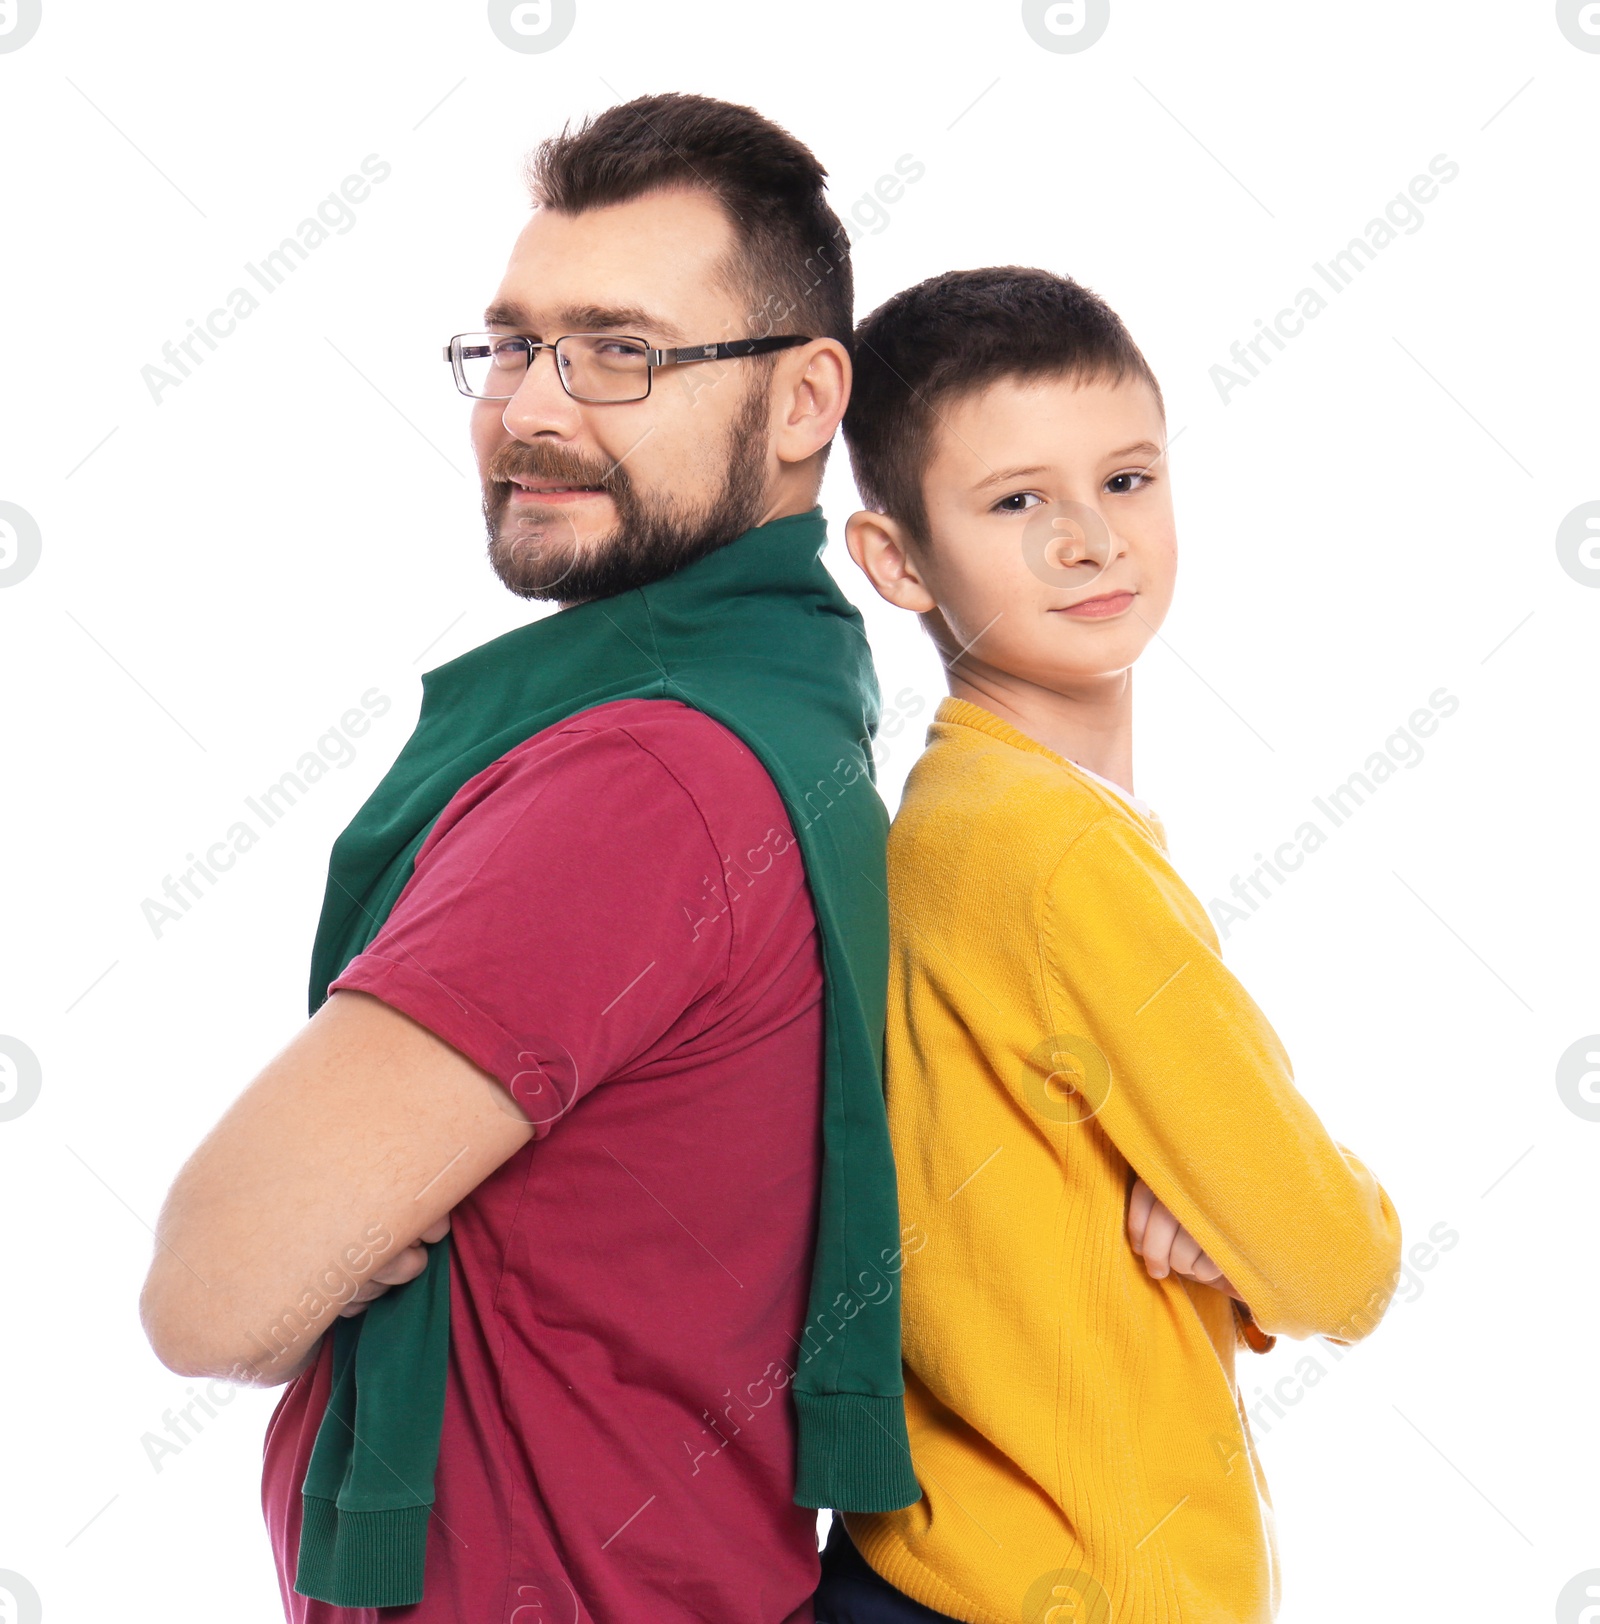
x: 1008, y: 473
x: 582, y: 318
x: 1148, y: 447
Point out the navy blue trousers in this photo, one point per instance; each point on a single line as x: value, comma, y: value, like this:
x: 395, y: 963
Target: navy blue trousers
x: 851, y: 1592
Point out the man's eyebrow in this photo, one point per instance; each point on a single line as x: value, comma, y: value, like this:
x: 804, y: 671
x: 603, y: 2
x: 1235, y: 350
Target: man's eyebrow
x: 1146, y: 447
x: 506, y: 313
x: 584, y: 319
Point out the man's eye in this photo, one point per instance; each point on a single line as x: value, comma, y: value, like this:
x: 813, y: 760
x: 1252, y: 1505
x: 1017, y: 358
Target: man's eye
x: 1017, y: 502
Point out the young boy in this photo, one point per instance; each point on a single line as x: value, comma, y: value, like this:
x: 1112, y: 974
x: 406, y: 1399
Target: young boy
x: 1095, y: 1128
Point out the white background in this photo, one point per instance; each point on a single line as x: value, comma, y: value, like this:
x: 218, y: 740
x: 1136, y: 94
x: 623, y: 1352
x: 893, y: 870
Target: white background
x: 1373, y: 518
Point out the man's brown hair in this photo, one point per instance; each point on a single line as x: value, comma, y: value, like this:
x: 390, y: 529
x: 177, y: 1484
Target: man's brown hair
x: 954, y: 335
x: 791, y: 261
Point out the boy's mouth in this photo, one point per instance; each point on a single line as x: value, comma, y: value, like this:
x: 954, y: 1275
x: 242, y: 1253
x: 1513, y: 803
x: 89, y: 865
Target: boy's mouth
x: 1101, y: 608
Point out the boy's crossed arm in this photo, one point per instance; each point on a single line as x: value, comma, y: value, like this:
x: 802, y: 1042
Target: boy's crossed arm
x: 1199, y: 1097
x: 1167, y: 1247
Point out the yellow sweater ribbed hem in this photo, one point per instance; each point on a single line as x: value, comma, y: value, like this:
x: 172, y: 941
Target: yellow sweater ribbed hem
x: 887, y: 1555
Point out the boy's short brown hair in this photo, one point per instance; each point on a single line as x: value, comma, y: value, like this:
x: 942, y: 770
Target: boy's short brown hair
x: 954, y: 335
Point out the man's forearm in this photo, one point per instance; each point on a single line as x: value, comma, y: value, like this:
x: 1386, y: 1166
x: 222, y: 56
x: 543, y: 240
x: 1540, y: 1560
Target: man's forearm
x: 358, y: 1138
x: 276, y: 1373
x: 294, y: 1361
x: 182, y: 1318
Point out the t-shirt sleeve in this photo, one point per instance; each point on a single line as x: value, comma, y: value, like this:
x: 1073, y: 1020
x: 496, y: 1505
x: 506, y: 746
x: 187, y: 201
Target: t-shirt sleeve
x: 554, y: 928
x: 1158, y: 1041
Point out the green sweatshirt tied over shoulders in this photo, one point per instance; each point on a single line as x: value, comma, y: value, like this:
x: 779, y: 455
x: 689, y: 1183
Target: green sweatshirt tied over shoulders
x: 759, y: 637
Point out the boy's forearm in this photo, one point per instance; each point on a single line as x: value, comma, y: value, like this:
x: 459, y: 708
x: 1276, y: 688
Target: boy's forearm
x: 1297, y: 1224
x: 1306, y: 1235
x: 1195, y: 1089
x: 1199, y: 1096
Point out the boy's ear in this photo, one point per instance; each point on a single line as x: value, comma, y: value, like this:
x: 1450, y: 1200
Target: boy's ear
x: 881, y: 547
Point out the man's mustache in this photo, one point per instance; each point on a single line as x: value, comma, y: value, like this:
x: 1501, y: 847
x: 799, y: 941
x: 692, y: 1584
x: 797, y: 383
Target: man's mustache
x: 534, y: 462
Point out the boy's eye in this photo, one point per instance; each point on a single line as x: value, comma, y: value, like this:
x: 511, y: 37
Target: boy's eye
x: 1017, y: 502
x: 1118, y: 483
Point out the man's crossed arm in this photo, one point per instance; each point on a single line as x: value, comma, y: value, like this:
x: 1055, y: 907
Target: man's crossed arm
x: 310, y: 1196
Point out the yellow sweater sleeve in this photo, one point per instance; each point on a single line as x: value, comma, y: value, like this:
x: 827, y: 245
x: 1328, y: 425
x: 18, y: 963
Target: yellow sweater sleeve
x: 1192, y: 1085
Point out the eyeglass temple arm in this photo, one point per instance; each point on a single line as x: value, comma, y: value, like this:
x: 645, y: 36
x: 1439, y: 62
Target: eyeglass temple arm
x: 730, y: 350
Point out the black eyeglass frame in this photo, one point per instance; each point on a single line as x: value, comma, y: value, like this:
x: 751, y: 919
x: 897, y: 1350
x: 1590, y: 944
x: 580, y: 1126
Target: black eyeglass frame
x: 731, y: 349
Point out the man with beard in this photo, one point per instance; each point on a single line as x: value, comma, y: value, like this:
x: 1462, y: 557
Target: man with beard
x: 582, y: 1156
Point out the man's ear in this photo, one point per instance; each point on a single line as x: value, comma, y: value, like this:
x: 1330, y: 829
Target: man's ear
x: 814, y: 389
x: 881, y: 547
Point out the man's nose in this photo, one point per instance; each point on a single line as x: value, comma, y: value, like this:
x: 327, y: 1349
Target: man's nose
x: 541, y: 405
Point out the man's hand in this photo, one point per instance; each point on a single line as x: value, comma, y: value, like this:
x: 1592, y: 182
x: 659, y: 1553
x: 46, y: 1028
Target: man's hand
x: 403, y: 1266
x: 1166, y: 1246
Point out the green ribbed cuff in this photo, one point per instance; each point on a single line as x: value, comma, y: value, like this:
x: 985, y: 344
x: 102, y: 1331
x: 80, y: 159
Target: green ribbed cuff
x: 361, y: 1558
x: 854, y: 1454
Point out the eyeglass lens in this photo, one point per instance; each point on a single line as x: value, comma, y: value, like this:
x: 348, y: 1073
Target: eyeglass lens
x: 594, y: 366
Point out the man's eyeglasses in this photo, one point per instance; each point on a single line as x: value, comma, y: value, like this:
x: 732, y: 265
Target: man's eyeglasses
x: 596, y: 367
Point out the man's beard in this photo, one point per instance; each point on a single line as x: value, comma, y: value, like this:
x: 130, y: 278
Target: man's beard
x: 541, y: 556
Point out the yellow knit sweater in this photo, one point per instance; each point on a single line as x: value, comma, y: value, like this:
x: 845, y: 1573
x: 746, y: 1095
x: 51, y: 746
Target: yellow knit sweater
x: 1060, y: 1022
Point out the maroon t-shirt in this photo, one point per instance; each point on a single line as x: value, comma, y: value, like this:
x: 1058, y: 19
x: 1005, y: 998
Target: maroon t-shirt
x: 612, y: 919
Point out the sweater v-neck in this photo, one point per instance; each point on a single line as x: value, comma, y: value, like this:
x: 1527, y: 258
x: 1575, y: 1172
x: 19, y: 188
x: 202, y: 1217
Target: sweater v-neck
x: 968, y: 714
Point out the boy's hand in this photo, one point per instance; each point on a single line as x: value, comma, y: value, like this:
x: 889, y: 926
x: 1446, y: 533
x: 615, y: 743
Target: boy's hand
x: 403, y: 1266
x: 1166, y: 1246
